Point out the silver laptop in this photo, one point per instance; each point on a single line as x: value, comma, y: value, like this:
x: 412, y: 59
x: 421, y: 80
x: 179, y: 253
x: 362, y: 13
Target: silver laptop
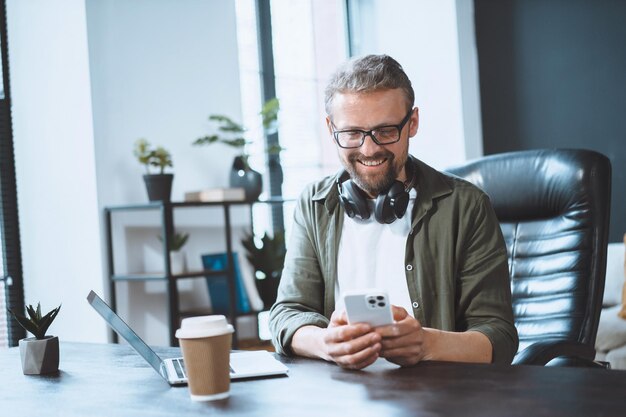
x: 243, y: 364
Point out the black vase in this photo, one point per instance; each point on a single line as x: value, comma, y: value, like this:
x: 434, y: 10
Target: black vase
x: 241, y: 175
x: 159, y: 186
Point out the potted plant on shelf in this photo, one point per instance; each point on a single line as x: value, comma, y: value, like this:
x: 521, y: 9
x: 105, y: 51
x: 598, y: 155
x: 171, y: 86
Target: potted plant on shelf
x: 158, y: 185
x: 40, y: 354
x: 232, y: 134
x: 267, y: 257
x: 178, y: 261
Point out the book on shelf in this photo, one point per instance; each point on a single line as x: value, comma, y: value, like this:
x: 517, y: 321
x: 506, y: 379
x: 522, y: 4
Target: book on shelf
x: 246, y: 296
x: 216, y: 194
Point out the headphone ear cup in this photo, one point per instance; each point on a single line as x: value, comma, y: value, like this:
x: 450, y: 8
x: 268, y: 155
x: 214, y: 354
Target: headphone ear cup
x: 354, y: 200
x: 345, y: 203
x: 392, y: 204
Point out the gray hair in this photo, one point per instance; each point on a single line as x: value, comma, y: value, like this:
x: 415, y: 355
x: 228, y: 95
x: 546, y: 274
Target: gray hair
x: 366, y: 74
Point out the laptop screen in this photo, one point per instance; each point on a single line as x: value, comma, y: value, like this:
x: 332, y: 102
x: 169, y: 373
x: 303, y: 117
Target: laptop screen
x: 124, y: 330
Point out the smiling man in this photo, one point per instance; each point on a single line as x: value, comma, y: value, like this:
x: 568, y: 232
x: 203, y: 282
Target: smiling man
x: 391, y: 222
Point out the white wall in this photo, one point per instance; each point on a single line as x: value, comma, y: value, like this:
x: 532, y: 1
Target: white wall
x: 55, y: 161
x: 88, y: 78
x: 158, y: 69
x: 434, y: 42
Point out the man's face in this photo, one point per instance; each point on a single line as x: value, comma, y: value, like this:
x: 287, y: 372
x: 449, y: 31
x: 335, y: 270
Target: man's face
x: 373, y: 167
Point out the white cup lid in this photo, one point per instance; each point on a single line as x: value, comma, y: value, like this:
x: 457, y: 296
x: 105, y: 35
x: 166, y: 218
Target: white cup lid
x: 203, y: 326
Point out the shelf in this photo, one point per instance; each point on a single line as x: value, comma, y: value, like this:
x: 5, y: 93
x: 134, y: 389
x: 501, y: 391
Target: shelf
x: 164, y: 218
x: 188, y: 217
x: 175, y: 204
x: 138, y: 277
x: 151, y: 276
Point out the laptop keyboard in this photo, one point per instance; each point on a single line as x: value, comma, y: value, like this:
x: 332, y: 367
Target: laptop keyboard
x: 179, y: 367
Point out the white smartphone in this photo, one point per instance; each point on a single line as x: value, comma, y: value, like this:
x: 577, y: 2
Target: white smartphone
x: 369, y: 306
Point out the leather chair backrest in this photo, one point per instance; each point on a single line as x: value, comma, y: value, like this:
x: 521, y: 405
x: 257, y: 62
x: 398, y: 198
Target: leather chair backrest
x: 553, y: 207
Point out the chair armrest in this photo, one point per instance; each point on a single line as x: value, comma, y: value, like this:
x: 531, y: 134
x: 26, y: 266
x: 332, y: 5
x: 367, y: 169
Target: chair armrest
x: 540, y: 353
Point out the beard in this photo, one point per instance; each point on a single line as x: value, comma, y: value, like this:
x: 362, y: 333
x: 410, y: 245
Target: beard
x: 374, y: 184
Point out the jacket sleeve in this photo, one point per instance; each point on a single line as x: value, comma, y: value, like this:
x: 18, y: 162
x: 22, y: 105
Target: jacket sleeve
x: 301, y: 290
x: 485, y: 285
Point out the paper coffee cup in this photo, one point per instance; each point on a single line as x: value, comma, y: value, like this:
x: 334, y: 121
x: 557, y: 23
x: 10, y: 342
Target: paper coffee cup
x: 206, y: 342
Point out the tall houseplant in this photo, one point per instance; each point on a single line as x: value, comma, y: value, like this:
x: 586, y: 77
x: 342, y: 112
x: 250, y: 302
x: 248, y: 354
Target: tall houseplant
x: 233, y: 134
x: 267, y: 257
x: 39, y: 354
x: 159, y: 184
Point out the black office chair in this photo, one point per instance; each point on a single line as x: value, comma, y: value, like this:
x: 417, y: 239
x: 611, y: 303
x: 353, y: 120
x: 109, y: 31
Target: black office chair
x: 553, y: 207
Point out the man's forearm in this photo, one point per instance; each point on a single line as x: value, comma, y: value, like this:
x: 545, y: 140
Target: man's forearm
x: 470, y: 346
x: 306, y: 342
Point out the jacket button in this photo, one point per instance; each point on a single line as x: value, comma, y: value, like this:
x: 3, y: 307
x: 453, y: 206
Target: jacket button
x: 409, y: 267
x: 415, y: 304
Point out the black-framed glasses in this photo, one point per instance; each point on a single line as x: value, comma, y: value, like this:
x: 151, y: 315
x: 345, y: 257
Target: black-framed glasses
x: 382, y: 135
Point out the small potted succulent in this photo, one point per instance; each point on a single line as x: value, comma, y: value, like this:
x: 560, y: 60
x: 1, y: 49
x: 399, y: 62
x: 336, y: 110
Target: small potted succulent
x: 158, y: 185
x: 232, y: 134
x: 178, y: 261
x: 40, y: 354
x: 267, y: 257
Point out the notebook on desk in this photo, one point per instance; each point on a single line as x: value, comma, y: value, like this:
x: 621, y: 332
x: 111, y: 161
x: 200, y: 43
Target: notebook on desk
x: 242, y: 364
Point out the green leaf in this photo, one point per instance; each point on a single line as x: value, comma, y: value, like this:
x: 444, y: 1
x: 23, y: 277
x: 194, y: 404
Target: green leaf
x: 232, y: 128
x: 178, y: 241
x: 220, y: 118
x: 24, y: 322
x: 141, y: 149
x: 275, y: 149
x: 268, y: 256
x: 46, y: 321
x: 235, y: 143
x: 232, y: 133
x: 158, y: 157
x: 31, y: 313
x: 226, y: 124
x: 269, y: 113
x: 37, y: 325
x: 206, y: 140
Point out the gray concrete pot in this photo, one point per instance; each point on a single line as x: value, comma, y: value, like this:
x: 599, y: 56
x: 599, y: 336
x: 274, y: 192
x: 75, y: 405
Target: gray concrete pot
x: 39, y: 356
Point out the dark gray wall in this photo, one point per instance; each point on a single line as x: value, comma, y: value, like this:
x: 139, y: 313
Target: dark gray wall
x: 553, y: 75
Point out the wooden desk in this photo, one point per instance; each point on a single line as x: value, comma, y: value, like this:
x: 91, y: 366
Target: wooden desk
x: 112, y: 380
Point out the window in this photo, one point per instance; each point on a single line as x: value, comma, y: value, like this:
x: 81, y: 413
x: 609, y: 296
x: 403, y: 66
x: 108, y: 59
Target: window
x: 1, y: 73
x: 308, y: 42
x: 4, y: 333
x: 11, y: 292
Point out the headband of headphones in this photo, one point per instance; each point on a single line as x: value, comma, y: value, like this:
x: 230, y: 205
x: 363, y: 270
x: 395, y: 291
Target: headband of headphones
x: 391, y: 204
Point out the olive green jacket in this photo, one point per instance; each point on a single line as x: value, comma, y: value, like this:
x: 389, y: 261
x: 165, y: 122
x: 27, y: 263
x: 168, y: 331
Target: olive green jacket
x: 455, y: 263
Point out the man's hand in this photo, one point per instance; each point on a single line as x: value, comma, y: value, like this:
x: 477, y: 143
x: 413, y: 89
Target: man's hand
x: 406, y: 342
x: 403, y: 342
x: 349, y: 346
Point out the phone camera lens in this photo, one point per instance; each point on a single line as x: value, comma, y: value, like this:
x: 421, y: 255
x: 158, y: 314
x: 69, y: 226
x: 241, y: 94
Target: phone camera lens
x: 381, y: 304
x: 380, y: 297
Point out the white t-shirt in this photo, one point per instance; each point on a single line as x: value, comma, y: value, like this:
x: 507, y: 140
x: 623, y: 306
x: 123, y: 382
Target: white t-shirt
x: 371, y: 255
